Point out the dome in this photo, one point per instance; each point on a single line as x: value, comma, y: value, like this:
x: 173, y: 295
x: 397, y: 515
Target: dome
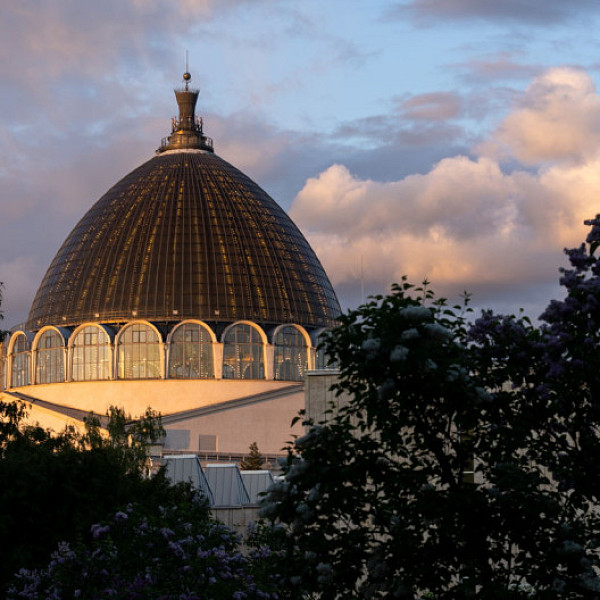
x: 185, y: 235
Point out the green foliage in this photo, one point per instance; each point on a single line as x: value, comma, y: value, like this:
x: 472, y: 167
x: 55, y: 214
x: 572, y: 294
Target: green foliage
x: 169, y: 552
x: 376, y: 500
x: 55, y: 486
x: 254, y: 461
x: 131, y: 438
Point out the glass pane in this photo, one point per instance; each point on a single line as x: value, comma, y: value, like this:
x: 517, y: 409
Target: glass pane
x: 50, y: 367
x: 243, y: 353
x: 139, y: 353
x: 20, y: 362
x: 322, y: 361
x: 91, y: 354
x: 191, y: 353
x: 290, y: 354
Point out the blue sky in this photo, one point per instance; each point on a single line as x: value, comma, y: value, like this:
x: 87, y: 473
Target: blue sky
x: 454, y: 140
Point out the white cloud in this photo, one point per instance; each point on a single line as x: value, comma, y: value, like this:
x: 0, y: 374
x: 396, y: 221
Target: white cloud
x: 558, y: 119
x: 466, y: 224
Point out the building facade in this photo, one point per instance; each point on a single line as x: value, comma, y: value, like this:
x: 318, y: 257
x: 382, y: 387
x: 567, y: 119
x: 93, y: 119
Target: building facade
x: 185, y: 288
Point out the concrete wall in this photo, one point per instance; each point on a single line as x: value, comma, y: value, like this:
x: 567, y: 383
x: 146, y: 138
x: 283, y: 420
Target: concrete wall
x: 319, y: 397
x: 236, y: 517
x: 267, y: 423
x: 235, y: 425
x: 163, y: 395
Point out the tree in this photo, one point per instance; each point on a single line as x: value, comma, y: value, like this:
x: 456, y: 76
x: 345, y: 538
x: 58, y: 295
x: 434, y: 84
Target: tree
x: 114, y: 532
x: 56, y: 485
x: 171, y: 552
x: 375, y: 498
x: 127, y: 437
x: 254, y: 461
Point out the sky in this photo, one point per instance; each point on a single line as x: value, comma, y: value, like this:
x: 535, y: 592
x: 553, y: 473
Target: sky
x: 456, y: 141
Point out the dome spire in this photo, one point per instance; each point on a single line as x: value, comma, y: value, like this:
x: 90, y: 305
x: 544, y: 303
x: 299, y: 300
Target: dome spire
x: 186, y: 130
x: 186, y: 76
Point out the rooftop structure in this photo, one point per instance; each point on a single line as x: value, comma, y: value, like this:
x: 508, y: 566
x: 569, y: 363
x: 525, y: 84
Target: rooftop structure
x: 185, y: 288
x: 185, y: 235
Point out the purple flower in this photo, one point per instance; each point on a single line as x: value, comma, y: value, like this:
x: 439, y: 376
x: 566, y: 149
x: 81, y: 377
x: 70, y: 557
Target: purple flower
x: 99, y: 531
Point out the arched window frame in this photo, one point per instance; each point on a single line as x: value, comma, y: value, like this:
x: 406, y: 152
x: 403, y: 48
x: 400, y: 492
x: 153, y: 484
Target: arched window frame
x: 56, y: 355
x: 20, y: 359
x: 319, y: 355
x: 280, y: 349
x: 263, y: 354
x: 160, y: 363
x: 170, y: 347
x: 3, y: 365
x: 72, y: 346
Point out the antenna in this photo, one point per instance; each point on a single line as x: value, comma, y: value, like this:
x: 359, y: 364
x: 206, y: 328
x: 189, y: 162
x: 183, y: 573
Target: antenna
x: 186, y: 75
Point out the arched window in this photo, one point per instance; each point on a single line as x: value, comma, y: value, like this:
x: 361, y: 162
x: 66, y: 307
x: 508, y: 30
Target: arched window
x: 290, y: 354
x: 91, y: 354
x: 321, y: 359
x: 191, y: 353
x: 2, y: 366
x: 50, y: 358
x: 138, y: 353
x: 243, y: 353
x: 20, y: 362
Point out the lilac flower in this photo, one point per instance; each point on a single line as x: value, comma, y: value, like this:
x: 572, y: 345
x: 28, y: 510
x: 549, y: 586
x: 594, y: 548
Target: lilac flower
x: 410, y: 334
x: 398, y: 354
x: 99, y: 531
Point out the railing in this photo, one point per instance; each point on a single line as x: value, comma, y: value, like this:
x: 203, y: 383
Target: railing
x: 206, y: 143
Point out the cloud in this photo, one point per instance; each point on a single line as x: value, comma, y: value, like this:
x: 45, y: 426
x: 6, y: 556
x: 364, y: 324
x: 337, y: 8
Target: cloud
x: 467, y: 223
x: 65, y: 52
x: 558, y: 118
x: 522, y: 11
x: 87, y: 98
x: 436, y: 106
x: 20, y: 276
x: 497, y: 67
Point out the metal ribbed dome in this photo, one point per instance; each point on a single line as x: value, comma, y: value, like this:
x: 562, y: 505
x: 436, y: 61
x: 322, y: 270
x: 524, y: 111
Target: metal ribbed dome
x: 185, y: 235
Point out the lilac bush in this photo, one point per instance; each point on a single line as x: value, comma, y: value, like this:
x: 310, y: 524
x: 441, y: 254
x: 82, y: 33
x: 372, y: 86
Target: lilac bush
x: 175, y: 553
x: 464, y: 464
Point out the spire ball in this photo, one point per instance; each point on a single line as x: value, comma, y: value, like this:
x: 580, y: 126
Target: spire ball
x: 186, y: 76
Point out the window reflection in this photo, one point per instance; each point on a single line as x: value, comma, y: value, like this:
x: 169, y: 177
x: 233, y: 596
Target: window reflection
x: 138, y: 353
x: 50, y: 361
x: 2, y: 365
x: 290, y: 354
x: 243, y: 353
x: 91, y: 354
x: 191, y: 353
x: 322, y: 361
x: 20, y: 362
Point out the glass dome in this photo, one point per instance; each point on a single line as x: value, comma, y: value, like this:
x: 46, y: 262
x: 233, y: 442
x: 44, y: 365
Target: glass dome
x: 185, y: 236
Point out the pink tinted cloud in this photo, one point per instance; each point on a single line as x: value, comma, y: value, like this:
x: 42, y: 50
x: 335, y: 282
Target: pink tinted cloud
x: 467, y: 224
x: 436, y: 106
x: 501, y: 66
x: 558, y: 118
